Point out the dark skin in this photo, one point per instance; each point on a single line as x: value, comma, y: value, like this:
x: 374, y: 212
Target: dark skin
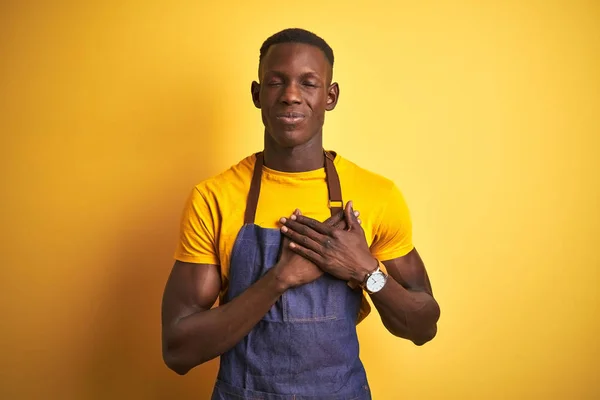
x: 406, y: 303
x: 194, y: 333
x: 299, y: 80
x: 294, y: 93
x: 295, y: 79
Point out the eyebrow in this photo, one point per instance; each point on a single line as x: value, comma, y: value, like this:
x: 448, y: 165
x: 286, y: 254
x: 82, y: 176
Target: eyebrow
x: 307, y: 74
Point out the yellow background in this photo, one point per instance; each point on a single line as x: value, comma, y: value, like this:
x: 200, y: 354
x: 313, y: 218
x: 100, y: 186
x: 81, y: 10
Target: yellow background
x: 484, y: 113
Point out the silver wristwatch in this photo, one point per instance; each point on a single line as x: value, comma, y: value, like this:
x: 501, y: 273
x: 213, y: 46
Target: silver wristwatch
x: 375, y: 281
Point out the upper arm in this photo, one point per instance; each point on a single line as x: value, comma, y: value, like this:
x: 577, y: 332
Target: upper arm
x: 195, y: 280
x: 393, y: 244
x: 392, y: 234
x: 200, y: 224
x: 409, y: 271
x: 190, y: 288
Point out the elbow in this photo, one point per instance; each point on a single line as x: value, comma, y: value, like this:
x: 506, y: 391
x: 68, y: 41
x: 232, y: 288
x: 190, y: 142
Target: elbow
x: 178, y: 358
x: 425, y: 336
x: 175, y: 363
x: 429, y: 330
x: 418, y: 337
x: 174, y: 357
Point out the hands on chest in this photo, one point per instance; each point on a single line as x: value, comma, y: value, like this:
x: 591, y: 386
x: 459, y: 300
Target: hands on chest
x: 337, y: 246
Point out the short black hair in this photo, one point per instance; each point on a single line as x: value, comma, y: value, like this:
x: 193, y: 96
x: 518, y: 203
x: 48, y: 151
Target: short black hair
x: 296, y: 35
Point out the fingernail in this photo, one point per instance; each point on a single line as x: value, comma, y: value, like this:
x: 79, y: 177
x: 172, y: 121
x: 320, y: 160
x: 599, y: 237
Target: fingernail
x: 351, y: 204
x: 293, y: 217
x: 356, y: 213
x: 359, y: 221
x: 284, y: 229
x: 292, y: 245
x: 283, y: 220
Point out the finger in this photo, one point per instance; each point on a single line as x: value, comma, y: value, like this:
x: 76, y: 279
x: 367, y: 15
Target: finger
x: 313, y: 224
x: 303, y: 235
x: 296, y: 231
x: 285, y: 243
x: 350, y: 217
x: 295, y: 212
x: 357, y: 223
x: 334, y: 219
x: 341, y: 224
x: 358, y: 220
x: 307, y: 253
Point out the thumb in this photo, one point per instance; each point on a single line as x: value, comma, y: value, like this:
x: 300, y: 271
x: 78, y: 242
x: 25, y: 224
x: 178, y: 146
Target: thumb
x: 350, y: 217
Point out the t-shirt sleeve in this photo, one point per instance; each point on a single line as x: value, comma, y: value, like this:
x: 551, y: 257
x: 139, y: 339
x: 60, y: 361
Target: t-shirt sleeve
x: 393, y: 234
x: 197, y: 232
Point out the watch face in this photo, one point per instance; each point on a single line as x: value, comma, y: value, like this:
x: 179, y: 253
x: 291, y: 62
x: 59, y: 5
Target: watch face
x: 375, y: 282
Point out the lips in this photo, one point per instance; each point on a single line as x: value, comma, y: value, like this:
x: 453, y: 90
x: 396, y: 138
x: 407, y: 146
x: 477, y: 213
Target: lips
x: 290, y: 117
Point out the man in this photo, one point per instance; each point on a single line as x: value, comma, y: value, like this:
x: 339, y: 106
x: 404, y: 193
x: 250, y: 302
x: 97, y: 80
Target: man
x: 291, y: 288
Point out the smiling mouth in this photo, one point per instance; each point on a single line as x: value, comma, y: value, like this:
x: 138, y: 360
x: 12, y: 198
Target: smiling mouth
x: 290, y: 118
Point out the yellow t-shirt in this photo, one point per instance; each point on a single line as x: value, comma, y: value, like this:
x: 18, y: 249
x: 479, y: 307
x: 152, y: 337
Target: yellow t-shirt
x: 214, y: 212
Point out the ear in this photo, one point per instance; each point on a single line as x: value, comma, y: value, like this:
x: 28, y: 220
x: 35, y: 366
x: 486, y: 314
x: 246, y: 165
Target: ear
x: 332, y: 96
x: 255, y: 91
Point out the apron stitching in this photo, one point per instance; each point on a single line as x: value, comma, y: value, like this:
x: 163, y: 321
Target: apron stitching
x: 284, y: 306
x: 240, y: 396
x: 313, y: 319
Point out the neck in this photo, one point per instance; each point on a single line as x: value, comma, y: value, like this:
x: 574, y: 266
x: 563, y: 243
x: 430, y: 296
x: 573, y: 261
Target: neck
x: 306, y: 157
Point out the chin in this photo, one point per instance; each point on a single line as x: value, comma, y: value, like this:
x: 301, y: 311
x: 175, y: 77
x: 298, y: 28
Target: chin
x: 290, y: 137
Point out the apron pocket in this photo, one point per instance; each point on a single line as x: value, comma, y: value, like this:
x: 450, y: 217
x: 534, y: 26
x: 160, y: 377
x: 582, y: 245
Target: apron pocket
x: 320, y: 300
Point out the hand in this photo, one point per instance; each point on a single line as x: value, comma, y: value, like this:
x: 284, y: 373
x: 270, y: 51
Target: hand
x: 294, y: 270
x: 342, y: 253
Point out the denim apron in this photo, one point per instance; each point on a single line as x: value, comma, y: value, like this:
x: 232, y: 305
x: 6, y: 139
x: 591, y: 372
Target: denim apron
x: 306, y: 346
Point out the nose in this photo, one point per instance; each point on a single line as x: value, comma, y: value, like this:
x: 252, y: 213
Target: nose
x: 291, y: 94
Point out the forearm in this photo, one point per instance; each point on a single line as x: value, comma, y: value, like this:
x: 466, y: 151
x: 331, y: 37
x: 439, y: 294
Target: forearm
x: 204, y: 335
x: 408, y: 314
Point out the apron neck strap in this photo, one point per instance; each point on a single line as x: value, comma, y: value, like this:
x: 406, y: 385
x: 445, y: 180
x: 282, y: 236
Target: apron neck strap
x: 334, y: 187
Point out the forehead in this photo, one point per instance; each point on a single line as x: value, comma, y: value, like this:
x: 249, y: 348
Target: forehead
x: 295, y: 58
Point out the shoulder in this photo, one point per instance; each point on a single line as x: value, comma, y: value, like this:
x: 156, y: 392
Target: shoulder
x: 230, y: 182
x: 373, y: 193
x: 359, y: 176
